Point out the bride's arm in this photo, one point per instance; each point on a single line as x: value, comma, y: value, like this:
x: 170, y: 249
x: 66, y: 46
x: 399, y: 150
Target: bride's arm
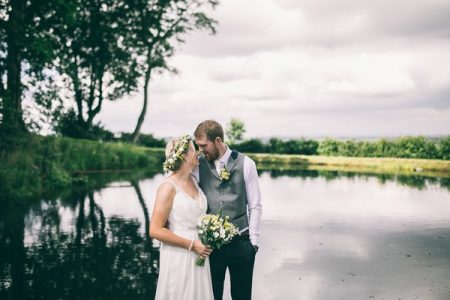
x: 163, y: 205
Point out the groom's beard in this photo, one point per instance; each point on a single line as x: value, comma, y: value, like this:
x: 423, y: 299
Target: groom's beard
x: 212, y: 156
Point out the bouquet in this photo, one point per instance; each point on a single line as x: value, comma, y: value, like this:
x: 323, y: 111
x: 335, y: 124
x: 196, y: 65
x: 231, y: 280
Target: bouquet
x: 215, y: 231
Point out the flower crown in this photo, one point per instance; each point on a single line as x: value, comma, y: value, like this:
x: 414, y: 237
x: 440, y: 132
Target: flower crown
x: 175, y: 159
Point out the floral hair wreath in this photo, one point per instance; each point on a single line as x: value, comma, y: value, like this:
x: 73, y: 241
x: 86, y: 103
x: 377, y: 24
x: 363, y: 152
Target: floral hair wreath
x: 175, y: 159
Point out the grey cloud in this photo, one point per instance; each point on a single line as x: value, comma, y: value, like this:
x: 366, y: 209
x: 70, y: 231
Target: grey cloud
x: 411, y: 17
x: 230, y: 75
x: 331, y: 24
x: 434, y: 99
x: 346, y: 103
x: 272, y: 92
x: 231, y: 44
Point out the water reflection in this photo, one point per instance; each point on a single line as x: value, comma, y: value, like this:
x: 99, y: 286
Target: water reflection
x: 326, y: 235
x: 67, y: 248
x: 352, y: 237
x: 344, y: 262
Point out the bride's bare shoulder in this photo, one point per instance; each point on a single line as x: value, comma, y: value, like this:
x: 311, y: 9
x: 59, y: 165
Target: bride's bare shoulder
x: 167, y: 187
x: 165, y: 195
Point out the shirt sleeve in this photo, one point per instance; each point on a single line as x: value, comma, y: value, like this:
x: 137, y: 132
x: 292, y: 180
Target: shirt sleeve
x: 253, y: 199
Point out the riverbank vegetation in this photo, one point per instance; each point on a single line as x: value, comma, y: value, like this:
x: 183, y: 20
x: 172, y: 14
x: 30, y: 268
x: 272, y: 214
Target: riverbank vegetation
x: 44, y: 164
x: 41, y: 164
x: 404, y: 147
x: 426, y: 167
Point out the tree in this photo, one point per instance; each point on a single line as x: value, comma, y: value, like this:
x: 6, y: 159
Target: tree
x: 251, y: 146
x: 444, y: 148
x: 86, y: 52
x: 94, y: 61
x: 159, y: 29
x: 13, y: 29
x: 328, y: 147
x: 235, y: 130
x: 26, y: 43
x: 276, y: 145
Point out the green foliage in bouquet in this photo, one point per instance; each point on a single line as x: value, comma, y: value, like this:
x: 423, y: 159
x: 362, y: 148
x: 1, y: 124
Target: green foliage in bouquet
x: 215, y: 231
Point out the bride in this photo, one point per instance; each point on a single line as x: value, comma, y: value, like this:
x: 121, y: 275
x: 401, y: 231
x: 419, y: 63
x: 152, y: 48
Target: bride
x: 178, y: 206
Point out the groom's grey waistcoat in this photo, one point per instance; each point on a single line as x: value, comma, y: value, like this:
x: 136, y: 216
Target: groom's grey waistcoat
x: 229, y: 196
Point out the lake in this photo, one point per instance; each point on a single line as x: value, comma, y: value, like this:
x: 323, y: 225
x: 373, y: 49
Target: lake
x: 325, y: 235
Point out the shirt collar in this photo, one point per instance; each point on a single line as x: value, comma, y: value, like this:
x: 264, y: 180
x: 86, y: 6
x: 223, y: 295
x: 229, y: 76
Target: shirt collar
x: 225, y: 156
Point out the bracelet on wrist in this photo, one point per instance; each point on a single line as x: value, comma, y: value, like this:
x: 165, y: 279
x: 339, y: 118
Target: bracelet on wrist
x: 192, y: 244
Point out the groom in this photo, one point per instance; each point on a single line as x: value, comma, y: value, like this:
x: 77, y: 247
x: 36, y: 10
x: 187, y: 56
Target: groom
x: 230, y: 182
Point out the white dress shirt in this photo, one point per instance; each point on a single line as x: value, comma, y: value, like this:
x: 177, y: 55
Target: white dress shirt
x: 253, y: 193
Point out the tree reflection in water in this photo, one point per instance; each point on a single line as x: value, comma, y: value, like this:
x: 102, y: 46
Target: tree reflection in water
x: 72, y: 247
x: 95, y: 258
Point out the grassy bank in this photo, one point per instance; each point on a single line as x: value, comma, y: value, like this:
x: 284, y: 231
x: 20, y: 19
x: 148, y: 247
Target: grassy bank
x: 427, y: 167
x: 45, y: 164
x: 40, y: 164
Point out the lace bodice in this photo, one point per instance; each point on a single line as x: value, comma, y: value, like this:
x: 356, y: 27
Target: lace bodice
x: 186, y: 211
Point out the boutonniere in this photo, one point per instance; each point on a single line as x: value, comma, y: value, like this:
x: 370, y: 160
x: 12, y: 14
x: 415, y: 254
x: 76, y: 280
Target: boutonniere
x: 224, y: 174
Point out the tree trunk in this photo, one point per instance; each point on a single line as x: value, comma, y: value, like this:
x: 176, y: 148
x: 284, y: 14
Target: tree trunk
x: 137, y: 130
x: 92, y: 112
x: 12, y: 123
x: 77, y: 90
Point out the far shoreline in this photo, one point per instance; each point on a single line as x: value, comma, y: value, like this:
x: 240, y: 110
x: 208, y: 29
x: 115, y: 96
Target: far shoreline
x: 377, y: 165
x: 384, y: 165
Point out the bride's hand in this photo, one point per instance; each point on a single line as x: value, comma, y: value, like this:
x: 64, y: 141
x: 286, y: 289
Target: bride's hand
x: 200, y: 249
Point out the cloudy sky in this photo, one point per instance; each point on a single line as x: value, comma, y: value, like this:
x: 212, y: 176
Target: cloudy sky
x: 311, y: 68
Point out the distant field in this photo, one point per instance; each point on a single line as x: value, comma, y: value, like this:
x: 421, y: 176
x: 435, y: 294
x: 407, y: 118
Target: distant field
x: 428, y: 167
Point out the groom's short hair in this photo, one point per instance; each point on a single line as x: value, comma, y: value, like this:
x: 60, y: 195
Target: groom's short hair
x: 211, y: 129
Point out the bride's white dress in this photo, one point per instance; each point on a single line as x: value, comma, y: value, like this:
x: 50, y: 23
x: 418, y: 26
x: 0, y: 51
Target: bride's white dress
x: 179, y: 277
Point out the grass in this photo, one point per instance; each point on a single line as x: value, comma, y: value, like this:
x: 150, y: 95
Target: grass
x: 404, y: 166
x: 428, y: 167
x: 44, y: 164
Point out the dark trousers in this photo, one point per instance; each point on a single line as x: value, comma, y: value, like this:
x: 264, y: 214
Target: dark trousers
x: 239, y: 258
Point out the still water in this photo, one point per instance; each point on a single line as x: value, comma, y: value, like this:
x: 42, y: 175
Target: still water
x: 325, y: 235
